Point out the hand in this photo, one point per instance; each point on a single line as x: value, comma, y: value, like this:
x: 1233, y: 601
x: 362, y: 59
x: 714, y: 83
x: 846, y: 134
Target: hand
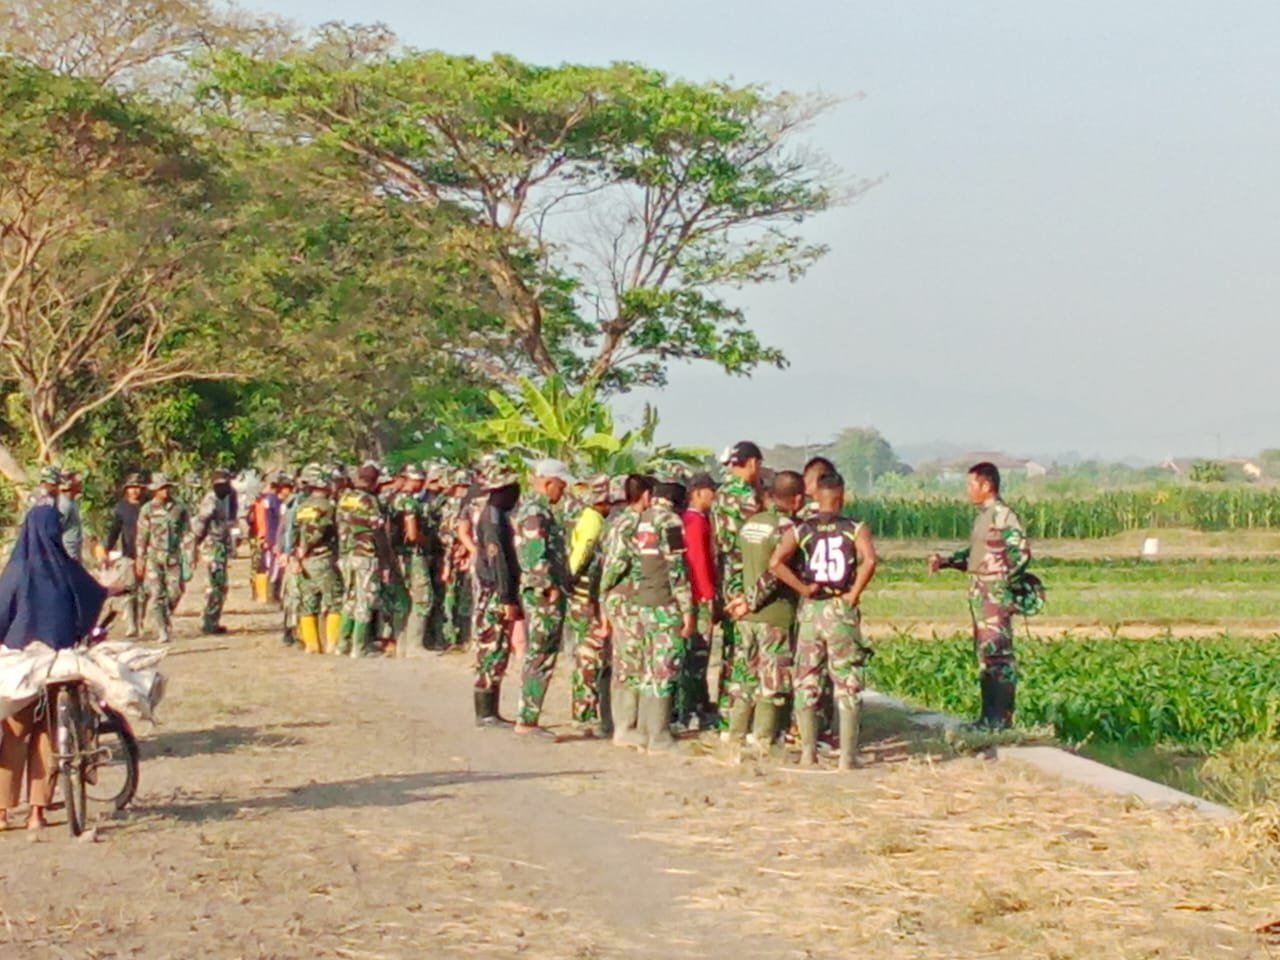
x: 138, y: 571
x: 553, y: 595
x: 686, y: 629
x: 738, y: 608
x: 935, y: 562
x: 385, y: 575
x: 511, y: 612
x: 602, y: 630
x: 810, y: 591
x: 519, y: 638
x: 852, y: 598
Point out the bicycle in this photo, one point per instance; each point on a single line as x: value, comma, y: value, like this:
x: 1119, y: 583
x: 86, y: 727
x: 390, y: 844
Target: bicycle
x: 93, y: 745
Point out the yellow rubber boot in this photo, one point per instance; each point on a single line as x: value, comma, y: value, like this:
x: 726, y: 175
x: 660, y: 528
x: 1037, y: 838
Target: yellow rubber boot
x: 260, y: 587
x: 332, y: 632
x: 309, y: 633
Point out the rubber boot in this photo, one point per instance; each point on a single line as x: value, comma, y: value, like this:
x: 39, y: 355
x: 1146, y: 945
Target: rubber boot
x: 486, y: 703
x: 625, y: 702
x: 309, y: 632
x: 987, y: 719
x: 288, y: 638
x: 345, y: 629
x: 605, y: 707
x: 260, y: 589
x: 807, y: 723
x: 360, y: 646
x: 739, y: 722
x: 765, y: 725
x: 655, y: 717
x: 850, y: 723
x: 1003, y: 695
x: 332, y: 632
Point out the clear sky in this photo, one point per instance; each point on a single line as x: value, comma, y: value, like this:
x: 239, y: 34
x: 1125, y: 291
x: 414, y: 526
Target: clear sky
x: 1077, y: 243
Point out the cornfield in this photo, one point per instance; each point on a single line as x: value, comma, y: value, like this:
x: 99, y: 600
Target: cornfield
x: 1196, y: 693
x: 1108, y: 514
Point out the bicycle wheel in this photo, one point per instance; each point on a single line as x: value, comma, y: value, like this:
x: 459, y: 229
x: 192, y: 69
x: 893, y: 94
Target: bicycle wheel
x: 70, y: 762
x: 112, y: 771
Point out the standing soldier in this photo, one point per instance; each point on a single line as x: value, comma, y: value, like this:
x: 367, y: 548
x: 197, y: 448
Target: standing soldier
x: 837, y: 560
x: 997, y: 555
x: 497, y: 588
x: 691, y: 693
x: 264, y: 522
x: 736, y: 500
x: 162, y: 533
x: 286, y: 570
x: 619, y: 615
x: 455, y: 564
x: 215, y: 517
x: 544, y: 578
x: 122, y: 535
x: 591, y: 673
x: 366, y: 553
x: 49, y: 490
x: 410, y: 536
x: 760, y: 677
x: 312, y: 538
x: 69, y: 510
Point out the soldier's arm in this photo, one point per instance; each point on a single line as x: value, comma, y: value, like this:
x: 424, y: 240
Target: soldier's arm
x: 1017, y: 549
x: 780, y: 564
x: 866, y: 551
x: 959, y: 560
x: 536, y: 562
x: 142, y: 538
x: 677, y: 567
x: 208, y: 507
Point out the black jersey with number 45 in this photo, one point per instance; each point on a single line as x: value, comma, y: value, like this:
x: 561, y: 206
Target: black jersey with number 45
x: 827, y: 552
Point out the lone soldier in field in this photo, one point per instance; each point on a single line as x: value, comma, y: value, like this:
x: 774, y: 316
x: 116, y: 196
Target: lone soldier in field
x: 837, y: 561
x: 163, y: 525
x: 215, y: 518
x: 997, y: 554
x: 544, y: 580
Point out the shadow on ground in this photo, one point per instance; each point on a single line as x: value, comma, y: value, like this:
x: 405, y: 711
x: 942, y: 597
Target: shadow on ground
x: 394, y: 790
x: 226, y: 739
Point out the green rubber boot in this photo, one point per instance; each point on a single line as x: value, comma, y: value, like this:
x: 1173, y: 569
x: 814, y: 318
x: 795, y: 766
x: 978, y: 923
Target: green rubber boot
x: 344, y: 637
x: 655, y: 718
x: 625, y: 702
x: 807, y: 724
x: 850, y: 722
x: 360, y: 646
x: 765, y: 725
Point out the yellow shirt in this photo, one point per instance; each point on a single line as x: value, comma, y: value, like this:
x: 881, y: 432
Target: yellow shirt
x: 585, y: 534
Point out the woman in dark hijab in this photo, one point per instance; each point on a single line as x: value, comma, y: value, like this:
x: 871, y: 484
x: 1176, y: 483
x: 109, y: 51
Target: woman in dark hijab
x: 48, y: 597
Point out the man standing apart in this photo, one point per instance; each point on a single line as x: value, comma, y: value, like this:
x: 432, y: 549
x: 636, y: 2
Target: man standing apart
x: 122, y: 535
x: 591, y: 672
x: 736, y: 500
x: 997, y: 554
x: 838, y: 560
x: 544, y: 579
x: 691, y: 692
x: 497, y: 594
x: 162, y: 532
x: 215, y: 517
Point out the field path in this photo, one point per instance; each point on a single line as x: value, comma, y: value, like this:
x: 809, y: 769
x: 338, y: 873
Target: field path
x: 297, y: 806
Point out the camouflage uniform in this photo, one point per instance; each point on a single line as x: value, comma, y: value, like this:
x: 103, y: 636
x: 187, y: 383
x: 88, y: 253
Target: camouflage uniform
x: 415, y: 564
x: 214, y: 520
x: 619, y: 568
x: 455, y: 606
x: 360, y: 536
x: 735, y: 501
x: 998, y: 552
x: 762, y: 662
x: 316, y: 584
x: 590, y: 652
x: 162, y: 532
x: 497, y: 584
x: 539, y: 542
x: 662, y: 597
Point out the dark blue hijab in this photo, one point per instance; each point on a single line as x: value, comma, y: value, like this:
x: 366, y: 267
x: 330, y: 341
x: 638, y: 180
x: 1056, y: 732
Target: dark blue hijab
x: 44, y: 594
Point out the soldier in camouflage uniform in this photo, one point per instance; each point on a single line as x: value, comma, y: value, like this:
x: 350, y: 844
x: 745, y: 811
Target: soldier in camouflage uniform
x: 998, y: 554
x: 215, y: 517
x: 591, y: 670
x: 455, y: 565
x: 497, y: 586
x: 736, y: 500
x: 366, y: 552
x: 544, y: 580
x: 285, y: 572
x: 410, y: 536
x: 665, y: 602
x: 161, y: 559
x: 313, y: 538
x: 619, y: 615
x: 835, y: 560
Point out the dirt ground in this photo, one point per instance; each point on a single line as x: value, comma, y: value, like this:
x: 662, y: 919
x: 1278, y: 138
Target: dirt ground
x: 296, y: 806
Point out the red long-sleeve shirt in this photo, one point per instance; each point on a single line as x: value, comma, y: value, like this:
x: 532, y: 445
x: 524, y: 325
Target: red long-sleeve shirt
x: 699, y: 555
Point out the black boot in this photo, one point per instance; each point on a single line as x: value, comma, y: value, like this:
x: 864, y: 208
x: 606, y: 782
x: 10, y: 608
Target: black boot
x: 605, y: 683
x: 1002, y: 702
x: 486, y: 708
x: 987, y: 719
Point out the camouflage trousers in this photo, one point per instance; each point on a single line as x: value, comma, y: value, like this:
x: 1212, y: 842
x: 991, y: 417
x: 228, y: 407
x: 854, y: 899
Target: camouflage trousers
x: 163, y: 584
x: 455, y: 610
x: 544, y: 624
x: 828, y: 641
x: 663, y: 650
x: 627, y: 639
x: 492, y: 639
x: 761, y: 670
x: 691, y: 691
x: 215, y: 595
x: 991, y: 606
x: 130, y: 602
x: 363, y: 594
x: 720, y: 659
x: 318, y: 587
x: 421, y: 592
x: 590, y: 660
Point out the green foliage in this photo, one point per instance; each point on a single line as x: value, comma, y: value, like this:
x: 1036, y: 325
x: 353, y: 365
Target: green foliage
x: 863, y: 456
x: 1208, y: 471
x: 1199, y: 693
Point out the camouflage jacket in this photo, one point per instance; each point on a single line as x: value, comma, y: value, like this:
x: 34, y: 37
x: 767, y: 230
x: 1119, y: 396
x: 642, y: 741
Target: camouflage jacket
x: 404, y: 506
x: 215, y: 517
x: 998, y: 547
x: 162, y: 530
x: 539, y: 540
x: 619, y: 565
x: 735, y: 501
x: 663, y: 575
x: 360, y: 523
x: 312, y: 531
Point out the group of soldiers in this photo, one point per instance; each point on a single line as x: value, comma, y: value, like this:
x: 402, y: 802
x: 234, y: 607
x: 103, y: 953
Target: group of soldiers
x: 686, y: 602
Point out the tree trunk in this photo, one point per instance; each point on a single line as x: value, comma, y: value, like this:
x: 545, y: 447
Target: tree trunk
x: 12, y: 470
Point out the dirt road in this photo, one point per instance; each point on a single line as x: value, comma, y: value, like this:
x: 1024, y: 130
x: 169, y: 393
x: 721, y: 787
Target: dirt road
x: 296, y: 806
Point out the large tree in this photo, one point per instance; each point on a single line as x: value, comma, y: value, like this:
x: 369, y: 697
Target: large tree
x: 613, y: 209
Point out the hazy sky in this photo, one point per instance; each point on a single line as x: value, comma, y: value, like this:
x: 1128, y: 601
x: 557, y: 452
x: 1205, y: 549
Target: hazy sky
x: 1077, y: 246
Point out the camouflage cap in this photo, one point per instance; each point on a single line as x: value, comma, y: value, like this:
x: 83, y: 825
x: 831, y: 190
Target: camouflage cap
x: 460, y: 478
x: 598, y: 487
x: 282, y: 479
x: 221, y: 473
x: 411, y: 471
x: 618, y: 489
x: 50, y: 474
x: 159, y: 481
x: 669, y: 471
x: 135, y: 480
x: 313, y: 475
x: 435, y: 470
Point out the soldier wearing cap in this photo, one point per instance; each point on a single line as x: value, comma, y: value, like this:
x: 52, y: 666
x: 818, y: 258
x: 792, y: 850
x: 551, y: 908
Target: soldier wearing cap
x: 120, y: 550
x: 286, y: 570
x: 215, y: 517
x: 544, y: 580
x: 691, y: 693
x: 366, y: 553
x: 312, y: 538
x: 589, y: 706
x: 455, y: 564
x: 497, y: 587
x: 410, y: 538
x: 736, y: 500
x: 163, y: 526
